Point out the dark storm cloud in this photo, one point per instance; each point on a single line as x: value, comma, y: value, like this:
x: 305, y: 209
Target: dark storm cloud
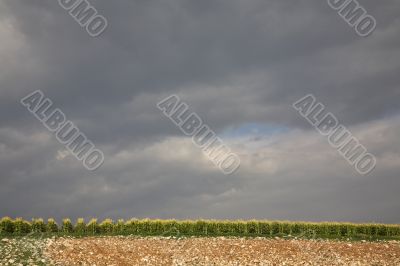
x: 233, y: 62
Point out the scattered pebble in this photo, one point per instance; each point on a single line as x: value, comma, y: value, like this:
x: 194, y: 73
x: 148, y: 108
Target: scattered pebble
x: 22, y: 251
x: 218, y: 251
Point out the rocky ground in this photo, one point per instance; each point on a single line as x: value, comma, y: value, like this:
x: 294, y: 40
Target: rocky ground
x: 218, y: 251
x: 194, y: 251
x: 23, y: 251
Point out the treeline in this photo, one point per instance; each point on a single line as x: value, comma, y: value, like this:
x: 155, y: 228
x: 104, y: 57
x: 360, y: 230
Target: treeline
x: 19, y: 226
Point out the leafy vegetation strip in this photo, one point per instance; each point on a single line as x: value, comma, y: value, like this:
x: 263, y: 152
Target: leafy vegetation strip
x: 22, y: 227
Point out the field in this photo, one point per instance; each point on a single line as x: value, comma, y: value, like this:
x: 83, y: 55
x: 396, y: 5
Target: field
x: 201, y: 242
x: 251, y: 228
x: 135, y: 250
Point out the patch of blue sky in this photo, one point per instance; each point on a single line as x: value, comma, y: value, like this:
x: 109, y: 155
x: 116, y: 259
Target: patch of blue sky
x: 253, y: 130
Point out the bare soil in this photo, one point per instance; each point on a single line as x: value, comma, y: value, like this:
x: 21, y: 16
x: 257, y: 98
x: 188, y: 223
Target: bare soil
x: 218, y: 251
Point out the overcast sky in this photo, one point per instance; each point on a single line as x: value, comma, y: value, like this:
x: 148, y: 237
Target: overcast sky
x: 239, y: 64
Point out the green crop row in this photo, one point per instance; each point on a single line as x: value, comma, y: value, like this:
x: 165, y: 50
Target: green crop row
x: 19, y: 226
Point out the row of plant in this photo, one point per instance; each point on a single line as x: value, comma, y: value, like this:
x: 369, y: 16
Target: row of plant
x: 19, y: 226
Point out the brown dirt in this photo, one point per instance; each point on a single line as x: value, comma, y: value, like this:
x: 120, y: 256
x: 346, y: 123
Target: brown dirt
x: 219, y: 251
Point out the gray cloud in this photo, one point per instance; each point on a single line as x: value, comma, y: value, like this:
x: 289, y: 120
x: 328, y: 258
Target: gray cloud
x: 235, y: 63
